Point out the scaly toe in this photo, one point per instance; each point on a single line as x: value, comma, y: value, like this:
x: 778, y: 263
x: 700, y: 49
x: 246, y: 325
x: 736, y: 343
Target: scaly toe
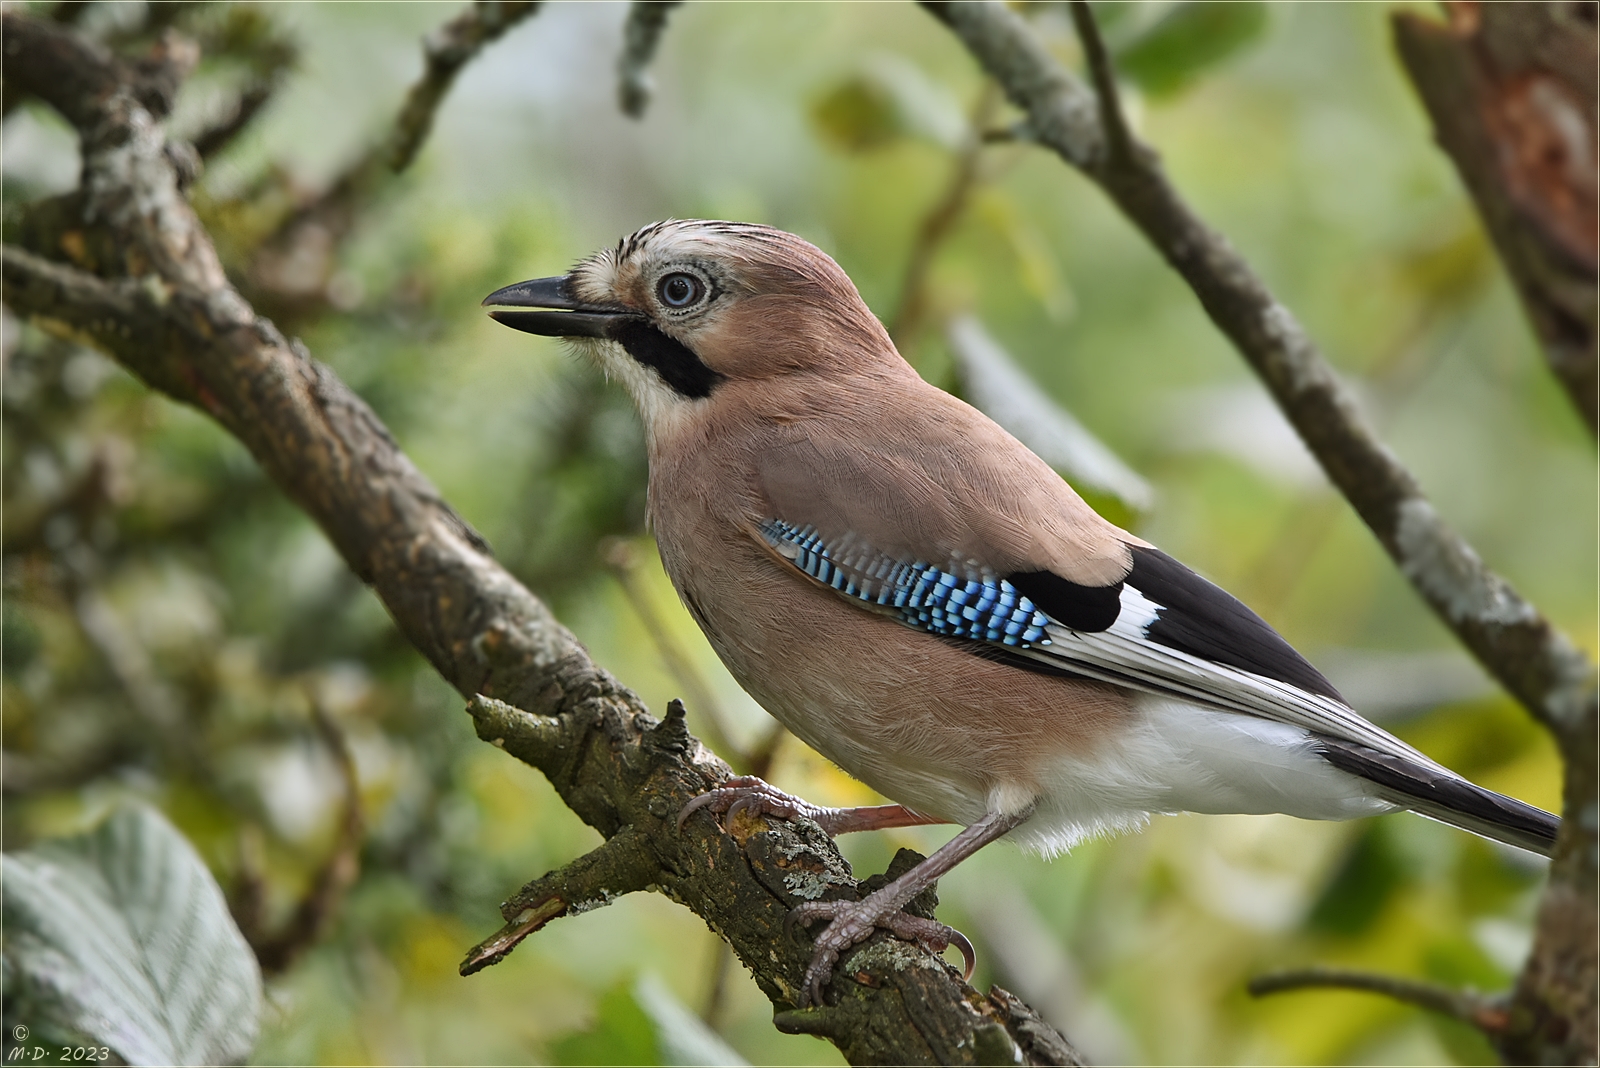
x: 852, y: 922
x: 818, y: 974
x: 746, y: 793
x: 934, y: 936
x: 810, y: 912
x: 719, y: 798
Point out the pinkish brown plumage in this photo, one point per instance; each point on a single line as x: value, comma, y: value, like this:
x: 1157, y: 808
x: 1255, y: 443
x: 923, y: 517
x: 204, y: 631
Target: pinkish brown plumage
x: 925, y: 602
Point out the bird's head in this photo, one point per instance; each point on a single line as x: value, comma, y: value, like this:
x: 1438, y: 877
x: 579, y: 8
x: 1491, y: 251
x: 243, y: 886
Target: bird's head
x: 682, y: 309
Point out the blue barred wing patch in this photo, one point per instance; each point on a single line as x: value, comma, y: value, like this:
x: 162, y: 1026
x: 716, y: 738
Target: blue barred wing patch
x: 919, y: 594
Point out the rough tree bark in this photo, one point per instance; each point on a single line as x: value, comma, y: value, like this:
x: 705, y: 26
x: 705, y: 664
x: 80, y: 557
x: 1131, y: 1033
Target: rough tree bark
x: 1552, y: 1017
x: 1511, y: 91
x: 123, y: 264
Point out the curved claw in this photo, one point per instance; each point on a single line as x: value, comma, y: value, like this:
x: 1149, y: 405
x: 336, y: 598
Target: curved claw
x: 969, y: 956
x: 934, y: 936
x: 694, y: 806
x: 815, y: 981
x: 818, y: 974
x: 730, y: 790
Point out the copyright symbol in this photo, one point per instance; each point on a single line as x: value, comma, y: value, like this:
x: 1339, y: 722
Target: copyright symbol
x: 20, y: 1032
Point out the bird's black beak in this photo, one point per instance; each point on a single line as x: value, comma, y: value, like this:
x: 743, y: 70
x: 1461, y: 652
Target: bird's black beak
x: 574, y: 319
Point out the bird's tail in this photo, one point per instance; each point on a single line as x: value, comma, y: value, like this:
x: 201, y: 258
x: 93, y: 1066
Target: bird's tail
x: 1442, y: 795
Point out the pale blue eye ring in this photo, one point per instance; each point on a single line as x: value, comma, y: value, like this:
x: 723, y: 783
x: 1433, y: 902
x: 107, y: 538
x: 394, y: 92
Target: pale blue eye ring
x: 679, y: 290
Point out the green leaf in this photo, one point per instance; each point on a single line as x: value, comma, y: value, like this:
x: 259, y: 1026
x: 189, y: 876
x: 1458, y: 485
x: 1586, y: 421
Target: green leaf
x: 683, y: 1037
x: 121, y: 937
x: 622, y: 1034
x: 1187, y: 40
x: 1361, y: 887
x: 643, y: 1023
x: 887, y: 100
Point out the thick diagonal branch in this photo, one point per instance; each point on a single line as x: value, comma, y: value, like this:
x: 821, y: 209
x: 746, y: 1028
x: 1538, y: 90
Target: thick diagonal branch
x: 162, y: 307
x: 1536, y: 663
x: 1553, y: 1011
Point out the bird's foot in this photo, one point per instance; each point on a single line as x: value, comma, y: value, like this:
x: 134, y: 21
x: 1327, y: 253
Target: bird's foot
x: 852, y: 922
x: 746, y: 793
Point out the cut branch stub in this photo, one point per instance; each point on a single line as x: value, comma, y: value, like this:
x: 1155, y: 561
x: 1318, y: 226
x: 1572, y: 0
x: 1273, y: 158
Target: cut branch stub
x: 629, y: 776
x: 622, y: 865
x: 163, y: 308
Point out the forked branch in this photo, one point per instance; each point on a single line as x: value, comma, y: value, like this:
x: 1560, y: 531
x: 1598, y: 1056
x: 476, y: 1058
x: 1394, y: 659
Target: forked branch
x: 165, y: 310
x: 1553, y: 1013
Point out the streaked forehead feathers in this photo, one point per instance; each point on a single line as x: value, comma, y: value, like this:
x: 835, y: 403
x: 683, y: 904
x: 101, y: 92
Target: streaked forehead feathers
x: 695, y: 239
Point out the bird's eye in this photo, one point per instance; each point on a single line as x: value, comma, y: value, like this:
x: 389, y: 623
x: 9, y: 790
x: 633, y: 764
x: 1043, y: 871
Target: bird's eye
x: 680, y: 290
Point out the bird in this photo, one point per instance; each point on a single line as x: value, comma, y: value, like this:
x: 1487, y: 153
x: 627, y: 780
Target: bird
x: 919, y: 598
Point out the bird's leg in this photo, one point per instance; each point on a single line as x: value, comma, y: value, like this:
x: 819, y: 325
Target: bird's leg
x: 851, y: 922
x: 748, y: 793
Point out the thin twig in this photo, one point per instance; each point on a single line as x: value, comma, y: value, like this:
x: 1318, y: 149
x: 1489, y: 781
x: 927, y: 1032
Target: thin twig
x: 152, y: 699
x: 641, y: 36
x: 337, y: 873
x: 621, y: 560
x: 246, y: 106
x: 312, y: 233
x: 445, y: 52
x: 940, y: 221
x: 1007, y: 135
x: 1119, y: 139
x: 1487, y: 1014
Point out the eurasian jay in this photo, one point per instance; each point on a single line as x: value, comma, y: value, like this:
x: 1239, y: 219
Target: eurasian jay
x: 925, y: 602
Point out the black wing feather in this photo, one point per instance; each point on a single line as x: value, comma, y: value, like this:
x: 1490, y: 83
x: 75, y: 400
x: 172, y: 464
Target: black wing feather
x: 1445, y: 797
x: 1086, y: 608
x: 1196, y: 617
x: 1204, y: 620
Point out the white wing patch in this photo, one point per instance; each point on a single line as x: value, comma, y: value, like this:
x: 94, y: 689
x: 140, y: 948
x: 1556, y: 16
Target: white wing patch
x: 1123, y: 654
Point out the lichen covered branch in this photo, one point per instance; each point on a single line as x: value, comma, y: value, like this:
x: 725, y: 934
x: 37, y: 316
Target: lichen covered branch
x: 1535, y: 662
x: 1552, y: 1013
x: 155, y: 298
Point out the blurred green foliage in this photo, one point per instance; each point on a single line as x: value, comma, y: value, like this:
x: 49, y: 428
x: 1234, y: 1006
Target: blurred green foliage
x: 173, y: 627
x: 622, y: 1034
x: 1187, y: 39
